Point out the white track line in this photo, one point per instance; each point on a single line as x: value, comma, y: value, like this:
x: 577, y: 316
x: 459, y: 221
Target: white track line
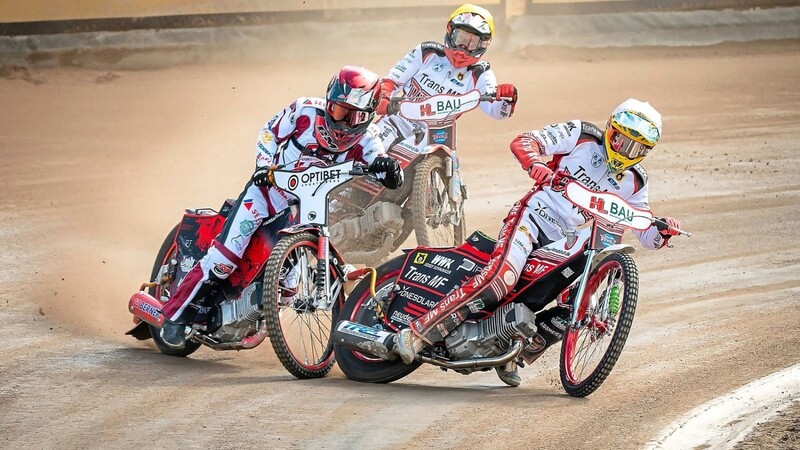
x: 726, y: 420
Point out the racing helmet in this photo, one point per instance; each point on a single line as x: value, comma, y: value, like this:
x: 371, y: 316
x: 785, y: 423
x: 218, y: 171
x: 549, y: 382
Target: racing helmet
x: 350, y: 102
x: 632, y: 131
x: 469, y: 32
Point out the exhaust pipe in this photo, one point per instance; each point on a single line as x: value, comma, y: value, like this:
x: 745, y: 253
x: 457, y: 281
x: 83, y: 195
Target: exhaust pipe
x: 364, y: 339
x: 145, y: 307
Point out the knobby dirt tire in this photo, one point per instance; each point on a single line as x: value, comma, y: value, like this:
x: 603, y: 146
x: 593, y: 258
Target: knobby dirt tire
x: 358, y: 366
x: 421, y: 198
x: 583, y: 386
x: 167, y: 251
x: 280, y: 336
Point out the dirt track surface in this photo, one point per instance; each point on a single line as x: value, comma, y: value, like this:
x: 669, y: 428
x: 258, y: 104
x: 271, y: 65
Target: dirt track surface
x: 97, y: 167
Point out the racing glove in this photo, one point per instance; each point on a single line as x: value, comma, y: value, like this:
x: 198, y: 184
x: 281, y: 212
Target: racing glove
x: 263, y: 176
x: 390, y: 168
x: 540, y: 173
x: 506, y: 91
x: 668, y: 232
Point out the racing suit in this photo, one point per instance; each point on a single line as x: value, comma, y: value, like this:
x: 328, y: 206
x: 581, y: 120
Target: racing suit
x: 424, y: 72
x: 539, y: 218
x: 288, y: 139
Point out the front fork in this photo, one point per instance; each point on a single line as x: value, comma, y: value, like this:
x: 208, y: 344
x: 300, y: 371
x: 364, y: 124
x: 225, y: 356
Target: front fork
x: 584, y: 280
x: 322, y: 279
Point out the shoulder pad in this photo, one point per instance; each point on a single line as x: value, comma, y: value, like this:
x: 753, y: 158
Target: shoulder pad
x: 432, y: 47
x: 312, y: 102
x: 639, y: 172
x: 479, y: 68
x: 591, y: 131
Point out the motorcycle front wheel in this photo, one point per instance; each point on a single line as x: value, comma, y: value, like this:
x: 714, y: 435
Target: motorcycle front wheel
x: 166, y: 253
x: 300, y: 332
x: 363, y: 367
x: 438, y: 222
x: 591, y: 349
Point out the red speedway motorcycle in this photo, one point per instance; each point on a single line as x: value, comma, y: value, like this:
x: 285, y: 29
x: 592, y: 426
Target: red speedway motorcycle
x: 289, y: 290
x: 589, y: 271
x: 369, y: 222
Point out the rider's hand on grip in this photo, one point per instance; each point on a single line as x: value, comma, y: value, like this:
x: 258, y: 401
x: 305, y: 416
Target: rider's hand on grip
x: 672, y: 229
x: 507, y: 92
x: 388, y: 106
x: 264, y: 176
x: 393, y: 174
x: 540, y: 173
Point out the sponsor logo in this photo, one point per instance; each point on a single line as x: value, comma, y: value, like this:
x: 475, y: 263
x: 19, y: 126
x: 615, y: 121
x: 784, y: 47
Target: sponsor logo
x: 597, y: 160
x: 509, y: 278
x: 403, y: 318
x: 438, y: 67
x: 613, y: 183
x: 570, y: 127
x: 294, y: 181
x: 187, y: 263
x: 567, y: 272
x: 456, y: 82
x: 148, y: 309
x: 607, y: 239
x: 476, y: 305
x: 420, y: 258
x: 323, y: 133
x: 440, y: 136
x: 362, y: 331
x: 222, y: 270
x: 467, y: 265
x: 266, y: 137
x: 416, y: 298
x: 248, y: 227
x: 442, y: 261
x: 536, y: 269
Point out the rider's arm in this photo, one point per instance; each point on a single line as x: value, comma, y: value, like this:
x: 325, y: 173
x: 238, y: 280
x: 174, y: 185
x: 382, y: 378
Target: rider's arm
x: 276, y: 131
x: 649, y: 238
x: 529, y: 147
x: 486, y: 83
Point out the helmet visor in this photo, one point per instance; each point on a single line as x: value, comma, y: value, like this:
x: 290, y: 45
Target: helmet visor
x: 626, y: 146
x: 637, y: 127
x: 347, y: 116
x: 470, y: 43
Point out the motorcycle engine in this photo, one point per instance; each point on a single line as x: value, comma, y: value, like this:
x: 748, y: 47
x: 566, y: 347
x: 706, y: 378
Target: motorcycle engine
x: 382, y: 220
x: 238, y: 319
x: 492, y: 336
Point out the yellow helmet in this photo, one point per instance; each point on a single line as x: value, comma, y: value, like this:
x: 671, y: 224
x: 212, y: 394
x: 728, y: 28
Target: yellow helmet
x: 469, y: 31
x: 632, y: 131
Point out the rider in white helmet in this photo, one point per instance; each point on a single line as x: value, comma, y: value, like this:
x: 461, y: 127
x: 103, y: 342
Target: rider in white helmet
x: 602, y: 160
x: 431, y: 68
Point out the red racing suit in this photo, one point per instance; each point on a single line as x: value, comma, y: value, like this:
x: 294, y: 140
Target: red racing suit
x: 540, y: 217
x: 288, y: 139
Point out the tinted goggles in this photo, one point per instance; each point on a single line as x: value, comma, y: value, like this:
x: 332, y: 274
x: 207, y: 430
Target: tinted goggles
x: 472, y: 44
x: 344, y: 114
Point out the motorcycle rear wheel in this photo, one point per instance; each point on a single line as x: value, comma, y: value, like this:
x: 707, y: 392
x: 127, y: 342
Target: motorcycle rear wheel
x: 299, y: 333
x: 362, y: 367
x: 590, y: 351
x: 432, y: 207
x: 167, y: 251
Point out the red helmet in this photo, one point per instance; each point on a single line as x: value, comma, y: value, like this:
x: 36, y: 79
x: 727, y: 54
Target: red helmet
x: 352, y: 97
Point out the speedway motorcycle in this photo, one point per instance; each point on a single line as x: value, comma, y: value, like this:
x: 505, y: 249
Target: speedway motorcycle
x: 370, y: 222
x: 589, y: 271
x: 289, y: 290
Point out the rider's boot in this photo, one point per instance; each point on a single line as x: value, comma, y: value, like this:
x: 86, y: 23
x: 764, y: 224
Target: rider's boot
x: 173, y: 334
x: 550, y: 325
x: 509, y: 374
x: 407, y: 345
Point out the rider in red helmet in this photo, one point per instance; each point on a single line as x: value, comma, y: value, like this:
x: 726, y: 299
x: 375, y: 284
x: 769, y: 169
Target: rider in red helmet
x: 309, y: 131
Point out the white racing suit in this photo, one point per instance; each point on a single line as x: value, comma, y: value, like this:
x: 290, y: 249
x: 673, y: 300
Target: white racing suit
x: 424, y: 72
x: 540, y: 217
x: 288, y: 139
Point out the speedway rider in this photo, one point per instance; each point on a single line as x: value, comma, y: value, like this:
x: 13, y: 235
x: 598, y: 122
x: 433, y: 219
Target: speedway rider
x: 431, y: 68
x: 309, y: 131
x: 602, y: 160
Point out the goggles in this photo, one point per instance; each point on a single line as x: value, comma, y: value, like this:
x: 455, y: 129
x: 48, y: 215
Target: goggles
x: 470, y: 43
x: 344, y: 114
x: 626, y: 146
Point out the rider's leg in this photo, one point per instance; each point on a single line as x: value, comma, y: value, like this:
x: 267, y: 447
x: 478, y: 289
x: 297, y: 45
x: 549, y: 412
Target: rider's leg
x: 483, y: 292
x: 220, y: 261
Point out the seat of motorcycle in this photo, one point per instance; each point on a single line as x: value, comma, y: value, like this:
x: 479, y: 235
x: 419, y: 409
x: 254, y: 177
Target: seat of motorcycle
x: 482, y: 241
